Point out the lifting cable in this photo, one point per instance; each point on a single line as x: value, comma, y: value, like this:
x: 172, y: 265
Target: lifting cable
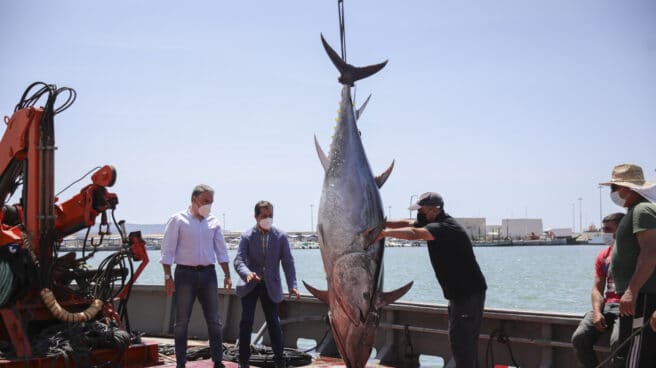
x: 342, y: 37
x: 342, y: 28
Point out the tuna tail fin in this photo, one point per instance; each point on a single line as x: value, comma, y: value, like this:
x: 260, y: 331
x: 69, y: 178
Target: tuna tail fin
x: 359, y: 111
x: 322, y: 156
x: 349, y: 74
x: 382, y: 178
x: 319, y: 294
x: 391, y: 296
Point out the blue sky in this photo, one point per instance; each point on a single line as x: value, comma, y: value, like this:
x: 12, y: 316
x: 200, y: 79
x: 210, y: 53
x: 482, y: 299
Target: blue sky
x: 507, y: 108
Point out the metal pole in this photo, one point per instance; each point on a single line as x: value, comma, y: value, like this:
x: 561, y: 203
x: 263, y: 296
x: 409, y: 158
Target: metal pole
x: 411, y: 197
x: 311, y: 218
x: 600, y: 215
x: 224, y: 224
x: 389, y: 212
x: 580, y: 215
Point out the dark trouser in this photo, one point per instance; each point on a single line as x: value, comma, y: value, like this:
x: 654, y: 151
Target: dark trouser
x: 270, y: 309
x: 641, y: 351
x: 189, y: 285
x: 586, y: 335
x: 465, y: 317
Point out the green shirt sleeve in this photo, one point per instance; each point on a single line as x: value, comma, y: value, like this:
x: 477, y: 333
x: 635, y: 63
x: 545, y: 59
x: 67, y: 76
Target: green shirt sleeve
x: 644, y: 217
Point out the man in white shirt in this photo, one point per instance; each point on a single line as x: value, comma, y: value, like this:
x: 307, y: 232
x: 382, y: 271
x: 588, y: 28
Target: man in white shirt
x: 193, y: 240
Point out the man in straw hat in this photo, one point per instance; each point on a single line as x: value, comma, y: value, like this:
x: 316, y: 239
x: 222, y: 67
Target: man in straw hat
x: 634, y: 261
x: 456, y: 269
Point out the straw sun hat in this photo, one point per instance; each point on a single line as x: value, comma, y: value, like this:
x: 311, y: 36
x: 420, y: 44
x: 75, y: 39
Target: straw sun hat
x: 630, y: 176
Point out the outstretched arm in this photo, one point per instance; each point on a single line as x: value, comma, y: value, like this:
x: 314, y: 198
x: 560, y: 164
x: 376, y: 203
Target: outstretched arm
x: 407, y: 233
x: 395, y: 224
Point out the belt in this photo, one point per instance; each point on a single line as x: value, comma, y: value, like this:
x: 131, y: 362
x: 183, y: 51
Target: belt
x: 197, y: 268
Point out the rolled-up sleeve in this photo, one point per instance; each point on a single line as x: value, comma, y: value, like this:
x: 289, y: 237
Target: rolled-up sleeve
x: 220, y: 248
x: 170, y: 241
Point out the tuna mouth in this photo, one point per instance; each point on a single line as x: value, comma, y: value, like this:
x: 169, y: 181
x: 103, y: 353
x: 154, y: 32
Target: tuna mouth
x: 354, y: 314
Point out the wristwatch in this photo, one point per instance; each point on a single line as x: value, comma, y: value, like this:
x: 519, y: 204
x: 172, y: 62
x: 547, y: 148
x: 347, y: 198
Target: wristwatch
x: 167, y: 277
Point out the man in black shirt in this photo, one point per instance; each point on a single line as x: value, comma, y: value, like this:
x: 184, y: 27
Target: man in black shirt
x: 456, y: 269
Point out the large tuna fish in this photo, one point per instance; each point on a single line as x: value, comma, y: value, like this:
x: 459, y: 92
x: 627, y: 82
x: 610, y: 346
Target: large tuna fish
x: 350, y: 219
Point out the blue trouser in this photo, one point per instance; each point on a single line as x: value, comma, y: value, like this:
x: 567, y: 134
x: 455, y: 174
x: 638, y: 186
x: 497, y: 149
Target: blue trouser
x: 248, y: 304
x: 465, y: 318
x: 586, y: 335
x: 189, y: 285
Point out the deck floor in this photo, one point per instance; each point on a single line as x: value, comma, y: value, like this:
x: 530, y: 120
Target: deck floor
x: 169, y: 362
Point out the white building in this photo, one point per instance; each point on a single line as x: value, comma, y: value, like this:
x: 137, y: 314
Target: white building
x: 474, y: 226
x: 521, y: 228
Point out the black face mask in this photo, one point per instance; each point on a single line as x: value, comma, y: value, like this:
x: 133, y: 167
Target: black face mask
x: 421, y: 219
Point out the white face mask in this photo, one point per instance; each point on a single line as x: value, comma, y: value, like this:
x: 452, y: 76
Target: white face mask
x: 266, y: 223
x: 608, y: 238
x: 615, y: 197
x: 205, y: 210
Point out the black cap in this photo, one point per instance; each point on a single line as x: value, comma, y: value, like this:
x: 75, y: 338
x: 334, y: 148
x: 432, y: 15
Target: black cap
x: 428, y: 199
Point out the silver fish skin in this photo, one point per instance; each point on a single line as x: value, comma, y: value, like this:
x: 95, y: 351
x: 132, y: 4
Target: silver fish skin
x: 349, y: 221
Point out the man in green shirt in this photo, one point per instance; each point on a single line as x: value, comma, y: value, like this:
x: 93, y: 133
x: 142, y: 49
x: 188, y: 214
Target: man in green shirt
x: 634, y: 261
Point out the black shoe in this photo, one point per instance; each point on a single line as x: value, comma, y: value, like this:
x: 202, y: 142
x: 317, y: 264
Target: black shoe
x: 219, y: 365
x: 243, y: 365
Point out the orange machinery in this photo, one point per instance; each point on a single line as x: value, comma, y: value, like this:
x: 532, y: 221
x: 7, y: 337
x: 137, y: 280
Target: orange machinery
x: 40, y: 287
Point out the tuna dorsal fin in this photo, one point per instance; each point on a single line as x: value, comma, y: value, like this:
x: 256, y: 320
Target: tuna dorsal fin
x: 319, y: 294
x: 322, y: 156
x: 392, y: 296
x: 359, y: 111
x: 382, y: 178
x: 349, y: 73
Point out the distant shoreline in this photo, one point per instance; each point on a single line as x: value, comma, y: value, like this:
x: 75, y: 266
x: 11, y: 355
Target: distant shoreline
x: 394, y: 243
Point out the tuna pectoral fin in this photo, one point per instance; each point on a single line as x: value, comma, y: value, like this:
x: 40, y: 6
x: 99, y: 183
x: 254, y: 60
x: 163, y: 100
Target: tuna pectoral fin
x: 319, y: 294
x: 349, y: 73
x: 369, y: 237
x: 321, y: 154
x: 392, y: 296
x: 382, y: 178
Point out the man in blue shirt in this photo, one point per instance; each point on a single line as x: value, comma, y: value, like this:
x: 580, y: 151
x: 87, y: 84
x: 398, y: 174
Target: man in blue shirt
x: 193, y: 240
x: 261, y: 251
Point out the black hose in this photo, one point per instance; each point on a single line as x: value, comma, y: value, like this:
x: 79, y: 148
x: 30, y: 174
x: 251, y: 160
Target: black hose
x: 262, y: 356
x: 502, y: 338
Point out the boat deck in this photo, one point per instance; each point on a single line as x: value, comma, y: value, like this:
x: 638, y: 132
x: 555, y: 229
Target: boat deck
x: 169, y: 361
x: 319, y: 362
x: 141, y: 356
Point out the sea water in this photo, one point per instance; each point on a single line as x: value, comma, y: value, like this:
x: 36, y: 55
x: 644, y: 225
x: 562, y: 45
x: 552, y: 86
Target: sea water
x: 537, y: 278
